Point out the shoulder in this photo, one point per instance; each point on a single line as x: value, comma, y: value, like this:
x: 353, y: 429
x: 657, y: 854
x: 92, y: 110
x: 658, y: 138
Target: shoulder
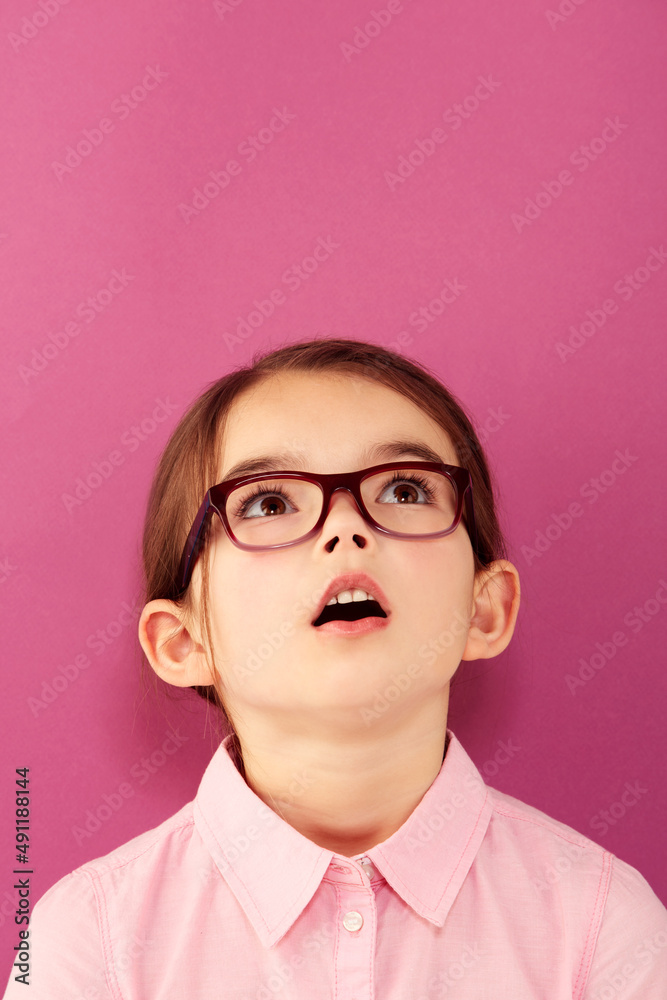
x: 145, y: 850
x: 550, y: 850
x: 523, y: 823
x: 577, y: 887
x: 83, y: 928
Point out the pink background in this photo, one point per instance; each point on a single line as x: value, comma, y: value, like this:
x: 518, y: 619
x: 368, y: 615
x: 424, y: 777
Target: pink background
x: 77, y: 377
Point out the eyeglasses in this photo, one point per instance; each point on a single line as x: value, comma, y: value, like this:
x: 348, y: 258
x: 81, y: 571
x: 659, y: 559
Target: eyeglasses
x: 277, y: 509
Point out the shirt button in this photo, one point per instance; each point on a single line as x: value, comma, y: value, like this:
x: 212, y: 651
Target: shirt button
x: 368, y: 868
x: 353, y: 921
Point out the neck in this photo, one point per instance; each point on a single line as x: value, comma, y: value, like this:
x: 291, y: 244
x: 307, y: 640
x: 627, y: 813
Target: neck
x: 349, y: 793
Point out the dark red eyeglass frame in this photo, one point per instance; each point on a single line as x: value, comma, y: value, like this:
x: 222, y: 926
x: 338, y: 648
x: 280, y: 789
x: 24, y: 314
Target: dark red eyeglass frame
x: 215, y: 501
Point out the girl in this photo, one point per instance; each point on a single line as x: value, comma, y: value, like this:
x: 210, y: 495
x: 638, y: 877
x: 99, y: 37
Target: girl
x: 321, y: 551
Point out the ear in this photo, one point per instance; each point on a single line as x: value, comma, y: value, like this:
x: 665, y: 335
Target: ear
x: 496, y: 598
x: 175, y: 654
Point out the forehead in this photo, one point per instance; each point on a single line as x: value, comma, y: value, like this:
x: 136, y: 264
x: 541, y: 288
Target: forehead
x: 326, y: 421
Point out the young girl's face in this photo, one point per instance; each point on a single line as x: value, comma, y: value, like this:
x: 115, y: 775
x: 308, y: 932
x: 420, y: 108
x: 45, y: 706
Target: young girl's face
x: 269, y: 655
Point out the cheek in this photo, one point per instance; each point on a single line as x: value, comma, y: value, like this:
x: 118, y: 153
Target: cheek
x: 251, y: 595
x: 437, y: 583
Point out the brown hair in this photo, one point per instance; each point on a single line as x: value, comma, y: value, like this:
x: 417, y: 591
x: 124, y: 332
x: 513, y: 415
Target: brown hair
x: 189, y: 463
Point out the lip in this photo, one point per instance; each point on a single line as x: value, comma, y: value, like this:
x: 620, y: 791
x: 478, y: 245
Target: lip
x: 351, y: 581
x: 360, y: 627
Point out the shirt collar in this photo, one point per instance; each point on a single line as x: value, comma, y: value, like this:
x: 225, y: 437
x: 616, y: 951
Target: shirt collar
x: 274, y: 871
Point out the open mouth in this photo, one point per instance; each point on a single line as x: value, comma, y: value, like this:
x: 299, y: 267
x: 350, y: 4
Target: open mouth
x: 351, y: 612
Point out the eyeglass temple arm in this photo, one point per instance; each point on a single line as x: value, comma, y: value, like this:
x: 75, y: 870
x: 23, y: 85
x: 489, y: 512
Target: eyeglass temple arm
x: 193, y: 545
x: 471, y: 525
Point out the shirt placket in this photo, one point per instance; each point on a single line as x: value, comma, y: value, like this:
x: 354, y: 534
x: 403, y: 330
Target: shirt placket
x: 356, y: 928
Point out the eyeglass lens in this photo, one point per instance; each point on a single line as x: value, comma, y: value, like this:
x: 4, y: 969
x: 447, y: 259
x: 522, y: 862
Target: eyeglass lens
x: 273, y: 511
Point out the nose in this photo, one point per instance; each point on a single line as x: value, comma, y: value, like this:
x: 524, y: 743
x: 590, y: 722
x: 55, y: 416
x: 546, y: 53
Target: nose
x: 344, y: 522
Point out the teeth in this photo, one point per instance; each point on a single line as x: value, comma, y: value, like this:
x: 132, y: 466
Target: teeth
x: 347, y: 596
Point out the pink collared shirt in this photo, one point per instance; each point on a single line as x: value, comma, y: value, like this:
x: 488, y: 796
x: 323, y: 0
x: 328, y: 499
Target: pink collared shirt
x: 477, y: 895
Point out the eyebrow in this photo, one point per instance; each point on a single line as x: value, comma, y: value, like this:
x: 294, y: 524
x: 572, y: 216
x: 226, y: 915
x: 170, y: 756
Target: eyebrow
x: 289, y: 461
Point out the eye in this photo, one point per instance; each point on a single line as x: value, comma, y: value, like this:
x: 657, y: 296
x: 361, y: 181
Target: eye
x: 262, y: 504
x: 406, y: 490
